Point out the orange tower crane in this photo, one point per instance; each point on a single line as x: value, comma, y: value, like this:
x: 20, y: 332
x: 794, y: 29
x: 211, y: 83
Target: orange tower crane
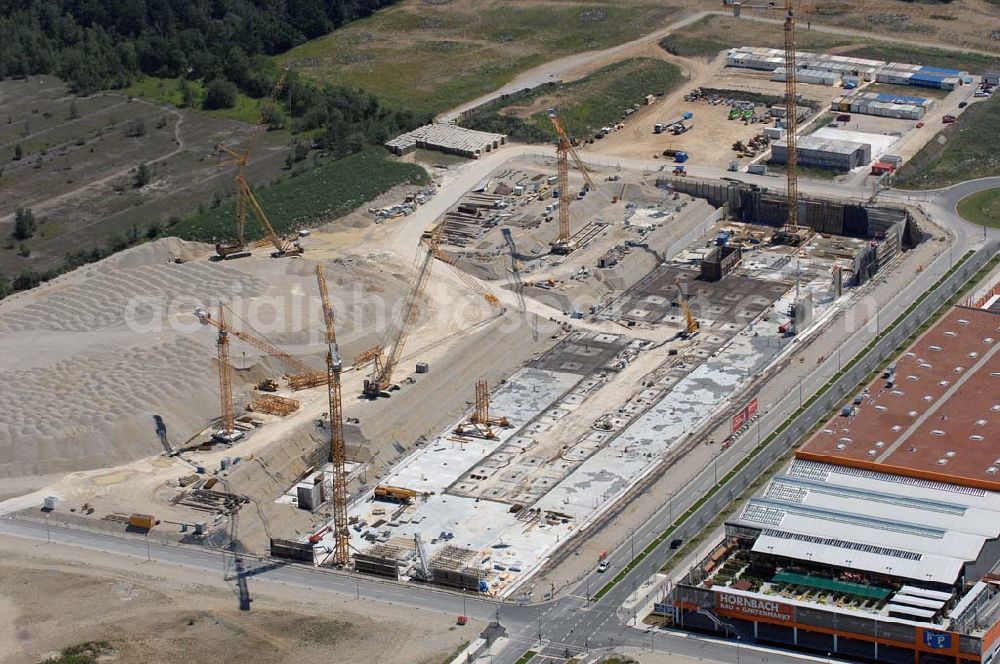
x: 338, y: 448
x: 480, y: 423
x: 565, y: 150
x: 692, y: 326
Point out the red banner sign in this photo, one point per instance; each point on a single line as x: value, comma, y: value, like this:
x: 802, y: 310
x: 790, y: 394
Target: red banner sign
x: 748, y: 412
x: 741, y: 606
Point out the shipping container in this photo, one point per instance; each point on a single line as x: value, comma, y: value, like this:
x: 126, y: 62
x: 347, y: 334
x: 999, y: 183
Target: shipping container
x: 143, y: 521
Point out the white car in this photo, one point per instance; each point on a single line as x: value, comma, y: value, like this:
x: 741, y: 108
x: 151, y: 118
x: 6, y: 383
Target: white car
x: 603, y: 566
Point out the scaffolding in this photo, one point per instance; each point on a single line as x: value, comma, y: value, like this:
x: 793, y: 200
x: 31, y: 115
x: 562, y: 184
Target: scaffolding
x: 452, y: 567
x: 273, y: 405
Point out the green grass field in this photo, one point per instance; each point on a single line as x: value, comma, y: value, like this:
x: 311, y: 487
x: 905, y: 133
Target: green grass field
x: 964, y: 150
x: 317, y: 195
x: 982, y: 208
x: 167, y: 91
x: 586, y: 105
x: 434, y: 57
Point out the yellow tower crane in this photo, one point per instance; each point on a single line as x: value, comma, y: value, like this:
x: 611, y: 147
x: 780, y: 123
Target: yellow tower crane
x: 791, y: 233
x: 564, y: 150
x: 338, y: 448
x: 692, y: 326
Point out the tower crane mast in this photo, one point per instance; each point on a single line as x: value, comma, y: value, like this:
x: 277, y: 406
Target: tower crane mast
x: 565, y: 150
x: 338, y: 448
x: 791, y: 120
x: 228, y: 431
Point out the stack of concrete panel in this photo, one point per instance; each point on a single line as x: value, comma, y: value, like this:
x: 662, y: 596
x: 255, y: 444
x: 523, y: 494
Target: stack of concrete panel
x: 450, y: 138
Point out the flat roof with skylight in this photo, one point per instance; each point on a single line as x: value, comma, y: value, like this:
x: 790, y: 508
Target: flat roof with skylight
x: 933, y: 415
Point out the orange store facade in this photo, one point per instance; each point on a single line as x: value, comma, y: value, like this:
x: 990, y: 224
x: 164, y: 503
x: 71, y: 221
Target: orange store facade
x: 755, y: 618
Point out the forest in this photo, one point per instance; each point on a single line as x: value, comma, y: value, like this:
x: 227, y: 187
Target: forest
x: 97, y: 44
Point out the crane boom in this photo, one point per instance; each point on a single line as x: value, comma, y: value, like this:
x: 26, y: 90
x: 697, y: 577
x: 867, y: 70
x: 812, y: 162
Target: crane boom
x: 260, y: 344
x: 243, y: 192
x: 281, y: 247
x: 560, y: 128
x: 338, y: 448
x: 381, y: 377
x: 473, y: 284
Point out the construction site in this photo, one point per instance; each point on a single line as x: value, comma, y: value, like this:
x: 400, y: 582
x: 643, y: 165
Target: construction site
x: 453, y: 395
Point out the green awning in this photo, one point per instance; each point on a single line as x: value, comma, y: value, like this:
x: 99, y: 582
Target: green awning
x: 842, y: 587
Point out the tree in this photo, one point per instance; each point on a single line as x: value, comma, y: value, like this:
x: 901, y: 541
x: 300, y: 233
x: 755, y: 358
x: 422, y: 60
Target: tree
x: 25, y: 225
x: 187, y: 93
x: 220, y: 93
x: 136, y: 128
x: 18, y: 152
x: 143, y: 176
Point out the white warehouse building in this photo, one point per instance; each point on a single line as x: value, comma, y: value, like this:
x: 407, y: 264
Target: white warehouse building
x: 824, y: 153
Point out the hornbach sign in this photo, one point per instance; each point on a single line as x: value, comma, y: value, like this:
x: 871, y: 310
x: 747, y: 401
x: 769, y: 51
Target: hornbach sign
x: 741, y: 606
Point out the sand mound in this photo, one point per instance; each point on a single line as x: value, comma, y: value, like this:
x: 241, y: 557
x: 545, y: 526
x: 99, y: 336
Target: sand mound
x: 161, y: 251
x: 113, y: 294
x: 95, y: 409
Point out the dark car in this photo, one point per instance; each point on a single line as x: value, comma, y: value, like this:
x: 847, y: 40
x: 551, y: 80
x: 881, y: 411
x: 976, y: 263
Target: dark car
x: 676, y: 544
x: 963, y: 104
